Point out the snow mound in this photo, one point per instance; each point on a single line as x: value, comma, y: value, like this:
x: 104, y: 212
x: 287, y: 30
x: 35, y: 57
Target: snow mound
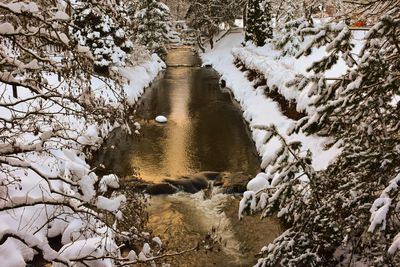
x: 161, y: 119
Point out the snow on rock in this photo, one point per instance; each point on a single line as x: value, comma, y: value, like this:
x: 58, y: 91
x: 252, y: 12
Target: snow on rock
x: 161, y: 119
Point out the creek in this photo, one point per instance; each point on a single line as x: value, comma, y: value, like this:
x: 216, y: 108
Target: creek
x: 205, y: 132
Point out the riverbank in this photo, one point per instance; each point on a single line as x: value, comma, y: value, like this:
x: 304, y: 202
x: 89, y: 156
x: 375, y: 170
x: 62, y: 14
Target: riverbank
x: 261, y: 110
x: 258, y: 109
x: 258, y: 77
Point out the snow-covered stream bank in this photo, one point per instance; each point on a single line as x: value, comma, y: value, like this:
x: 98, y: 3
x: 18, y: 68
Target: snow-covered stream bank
x: 258, y: 109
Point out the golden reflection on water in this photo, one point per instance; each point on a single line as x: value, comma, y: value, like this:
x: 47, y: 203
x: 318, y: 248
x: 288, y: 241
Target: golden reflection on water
x: 175, y: 160
x: 176, y: 146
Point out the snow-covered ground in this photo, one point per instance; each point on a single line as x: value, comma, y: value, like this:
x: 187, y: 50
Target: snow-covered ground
x: 35, y: 223
x: 258, y: 109
x: 139, y: 77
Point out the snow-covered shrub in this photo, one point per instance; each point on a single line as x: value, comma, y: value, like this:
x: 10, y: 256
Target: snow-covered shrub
x: 51, y: 117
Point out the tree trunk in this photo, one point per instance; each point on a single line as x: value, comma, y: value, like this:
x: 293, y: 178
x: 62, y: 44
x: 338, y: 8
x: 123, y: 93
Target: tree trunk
x: 244, y: 16
x: 200, y: 44
x: 15, y: 92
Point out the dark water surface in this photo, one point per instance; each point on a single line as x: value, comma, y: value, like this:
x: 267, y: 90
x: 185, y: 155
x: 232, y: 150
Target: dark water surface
x: 205, y: 132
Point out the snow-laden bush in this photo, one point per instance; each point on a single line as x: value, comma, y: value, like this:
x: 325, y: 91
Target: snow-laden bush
x: 53, y: 112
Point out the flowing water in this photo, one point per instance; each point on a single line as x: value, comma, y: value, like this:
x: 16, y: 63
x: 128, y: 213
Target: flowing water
x: 205, y: 132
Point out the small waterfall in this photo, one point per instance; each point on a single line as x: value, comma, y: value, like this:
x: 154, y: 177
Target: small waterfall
x: 211, y: 216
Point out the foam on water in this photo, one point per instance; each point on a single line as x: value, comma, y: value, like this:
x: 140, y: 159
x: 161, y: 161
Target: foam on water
x: 211, y: 216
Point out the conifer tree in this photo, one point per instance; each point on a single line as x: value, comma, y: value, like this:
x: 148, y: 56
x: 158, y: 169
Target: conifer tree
x: 361, y: 111
x: 155, y: 26
x: 290, y: 21
x: 258, y: 22
x: 346, y: 215
x: 97, y: 27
